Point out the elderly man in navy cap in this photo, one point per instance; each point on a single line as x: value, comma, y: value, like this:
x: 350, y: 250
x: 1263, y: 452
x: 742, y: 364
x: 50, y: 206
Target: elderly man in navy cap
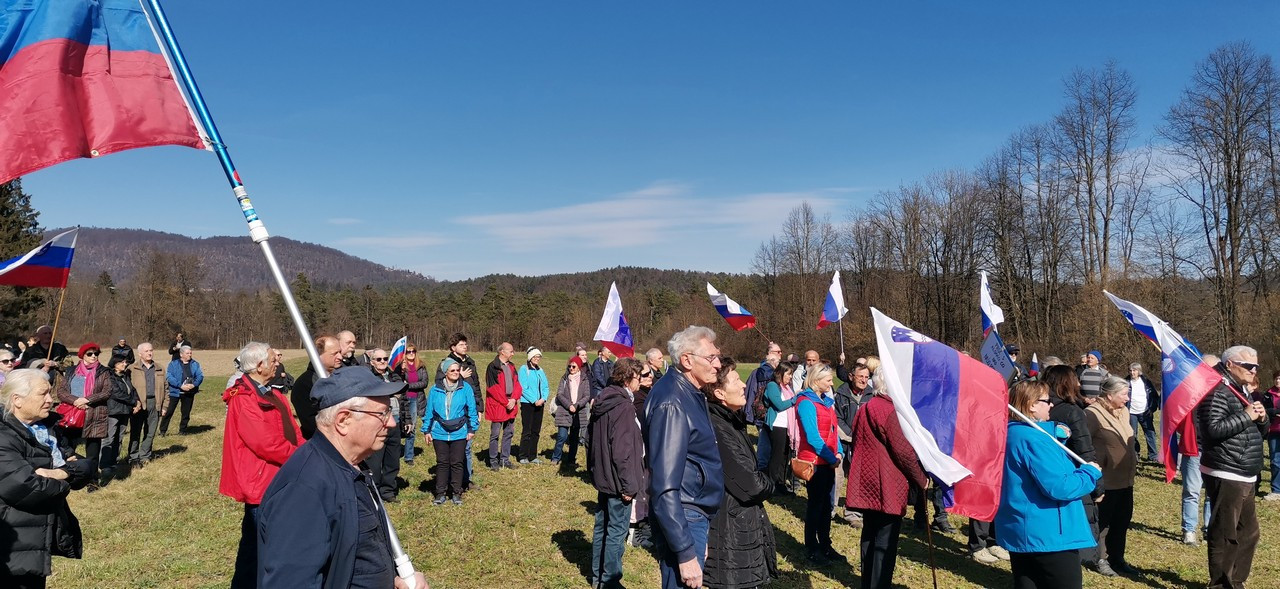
x: 322, y: 523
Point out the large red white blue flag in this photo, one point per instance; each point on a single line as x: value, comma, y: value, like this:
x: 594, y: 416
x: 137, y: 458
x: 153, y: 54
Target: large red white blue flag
x: 739, y: 317
x: 613, y: 332
x: 992, y: 314
x: 833, y: 308
x: 47, y: 266
x: 1186, y: 380
x: 84, y: 78
x: 953, y: 410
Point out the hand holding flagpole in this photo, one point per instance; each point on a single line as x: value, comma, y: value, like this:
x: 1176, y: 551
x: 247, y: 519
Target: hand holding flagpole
x: 1028, y: 420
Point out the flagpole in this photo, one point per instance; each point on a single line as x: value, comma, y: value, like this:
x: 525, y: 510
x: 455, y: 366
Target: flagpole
x: 257, y: 231
x: 1055, y: 440
x: 762, y: 334
x: 56, y: 316
x: 842, y: 336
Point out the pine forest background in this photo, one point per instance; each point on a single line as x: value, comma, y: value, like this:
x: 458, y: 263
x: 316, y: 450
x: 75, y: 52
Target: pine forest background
x: 1181, y: 219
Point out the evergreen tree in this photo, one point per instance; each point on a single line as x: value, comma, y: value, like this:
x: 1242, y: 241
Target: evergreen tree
x: 19, y: 234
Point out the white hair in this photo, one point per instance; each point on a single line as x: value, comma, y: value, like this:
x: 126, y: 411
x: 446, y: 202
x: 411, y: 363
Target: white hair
x: 877, y: 381
x: 5, y: 354
x: 653, y: 353
x: 1235, y: 353
x: 326, y: 416
x: 1051, y: 361
x: 687, y: 340
x: 184, y: 349
x: 20, y: 383
x: 1136, y: 366
x: 251, y: 355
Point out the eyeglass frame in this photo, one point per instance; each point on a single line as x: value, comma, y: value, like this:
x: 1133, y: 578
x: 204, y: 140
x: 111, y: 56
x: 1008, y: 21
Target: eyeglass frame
x: 383, y: 414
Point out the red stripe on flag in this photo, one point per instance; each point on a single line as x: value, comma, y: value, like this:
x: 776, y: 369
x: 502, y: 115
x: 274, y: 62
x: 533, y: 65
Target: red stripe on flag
x: 1178, y: 411
x: 619, y: 350
x: 982, y: 423
x: 61, y: 100
x: 741, y: 322
x: 36, y: 276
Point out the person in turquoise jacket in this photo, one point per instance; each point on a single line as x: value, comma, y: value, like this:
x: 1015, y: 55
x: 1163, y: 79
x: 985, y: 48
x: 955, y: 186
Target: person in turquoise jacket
x: 1041, y: 520
x: 450, y: 421
x: 779, y: 399
x: 535, y: 390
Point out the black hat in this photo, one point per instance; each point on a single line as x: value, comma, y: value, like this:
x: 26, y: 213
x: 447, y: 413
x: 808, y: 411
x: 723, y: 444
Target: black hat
x: 1011, y: 349
x: 349, y: 382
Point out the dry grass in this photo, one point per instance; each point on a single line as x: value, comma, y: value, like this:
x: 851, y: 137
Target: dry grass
x: 166, y: 526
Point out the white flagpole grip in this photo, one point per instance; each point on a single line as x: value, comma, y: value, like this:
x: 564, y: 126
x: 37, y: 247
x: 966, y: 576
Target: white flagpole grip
x: 1051, y: 437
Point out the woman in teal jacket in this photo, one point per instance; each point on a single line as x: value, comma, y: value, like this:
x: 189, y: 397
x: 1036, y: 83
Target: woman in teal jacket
x: 779, y: 399
x: 450, y: 422
x: 535, y: 390
x: 1041, y: 520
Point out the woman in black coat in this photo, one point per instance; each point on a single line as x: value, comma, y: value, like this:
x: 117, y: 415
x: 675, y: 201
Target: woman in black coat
x: 34, y: 515
x: 1068, y: 409
x: 741, y: 551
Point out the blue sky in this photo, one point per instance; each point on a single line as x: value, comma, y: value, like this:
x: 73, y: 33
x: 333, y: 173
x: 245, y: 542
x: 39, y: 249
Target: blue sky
x: 459, y: 139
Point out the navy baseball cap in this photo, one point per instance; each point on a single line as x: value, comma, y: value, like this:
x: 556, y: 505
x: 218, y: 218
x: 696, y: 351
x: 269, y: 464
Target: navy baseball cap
x: 349, y: 382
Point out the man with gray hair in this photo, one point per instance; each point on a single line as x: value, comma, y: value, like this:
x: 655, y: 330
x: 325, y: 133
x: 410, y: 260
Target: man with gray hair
x: 679, y: 441
x: 184, y: 377
x: 148, y: 378
x: 348, y: 342
x: 321, y: 523
x: 1144, y: 399
x: 1230, y: 431
x: 656, y: 362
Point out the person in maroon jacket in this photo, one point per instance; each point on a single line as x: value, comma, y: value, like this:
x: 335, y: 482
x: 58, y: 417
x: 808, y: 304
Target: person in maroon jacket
x: 882, y: 468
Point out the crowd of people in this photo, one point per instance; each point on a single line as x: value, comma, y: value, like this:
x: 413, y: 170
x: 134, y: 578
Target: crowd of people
x: 669, y: 448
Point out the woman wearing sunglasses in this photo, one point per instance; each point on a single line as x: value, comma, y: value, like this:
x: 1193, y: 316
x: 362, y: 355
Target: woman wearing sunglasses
x: 6, y: 364
x: 413, y: 370
x: 81, y: 389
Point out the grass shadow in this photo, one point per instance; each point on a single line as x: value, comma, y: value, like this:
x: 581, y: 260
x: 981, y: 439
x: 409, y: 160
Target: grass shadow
x: 950, y: 552
x: 162, y: 452
x: 793, y: 551
x: 1161, y: 578
x: 197, y: 429
x: 591, y: 506
x: 1159, y: 532
x: 576, y: 549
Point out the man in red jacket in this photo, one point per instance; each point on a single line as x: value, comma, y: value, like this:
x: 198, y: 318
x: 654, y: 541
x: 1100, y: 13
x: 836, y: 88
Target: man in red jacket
x: 501, y: 406
x: 260, y: 436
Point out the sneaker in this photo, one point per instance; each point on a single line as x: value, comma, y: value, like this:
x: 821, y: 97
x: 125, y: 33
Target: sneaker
x: 457, y: 500
x: 1189, y: 538
x: 998, y: 552
x: 984, y: 556
x: 1104, y: 568
x: 1273, y: 496
x: 536, y: 461
x: 439, y: 500
x: 408, y: 462
x: 524, y: 461
x: 495, y: 467
x: 555, y: 462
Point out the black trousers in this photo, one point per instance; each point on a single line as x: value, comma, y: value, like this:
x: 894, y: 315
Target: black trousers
x: 1046, y: 570
x: 530, y: 430
x: 185, y: 401
x: 779, y: 456
x: 246, y: 571
x: 981, y: 535
x: 817, y: 513
x: 1233, y: 531
x: 879, y: 548
x: 21, y: 581
x: 1114, y: 515
x: 1091, y: 556
x: 385, y: 465
x: 450, y: 459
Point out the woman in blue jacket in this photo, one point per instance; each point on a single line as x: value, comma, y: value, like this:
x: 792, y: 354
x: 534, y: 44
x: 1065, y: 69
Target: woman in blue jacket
x: 1041, y: 519
x: 450, y: 422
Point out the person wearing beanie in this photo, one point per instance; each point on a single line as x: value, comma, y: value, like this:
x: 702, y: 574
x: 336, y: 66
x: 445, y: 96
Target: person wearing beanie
x: 1092, y: 374
x: 534, y: 392
x: 572, y: 396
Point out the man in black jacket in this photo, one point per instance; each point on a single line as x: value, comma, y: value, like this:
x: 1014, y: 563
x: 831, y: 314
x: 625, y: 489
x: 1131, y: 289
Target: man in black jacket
x: 1230, y: 434
x: 617, y: 469
x: 300, y: 396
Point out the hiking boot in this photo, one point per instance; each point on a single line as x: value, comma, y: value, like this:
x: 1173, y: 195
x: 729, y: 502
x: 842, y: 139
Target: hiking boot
x: 984, y: 556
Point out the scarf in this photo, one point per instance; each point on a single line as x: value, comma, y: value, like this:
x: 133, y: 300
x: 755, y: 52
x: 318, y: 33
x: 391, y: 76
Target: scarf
x: 45, y: 437
x: 88, y: 374
x: 574, y: 379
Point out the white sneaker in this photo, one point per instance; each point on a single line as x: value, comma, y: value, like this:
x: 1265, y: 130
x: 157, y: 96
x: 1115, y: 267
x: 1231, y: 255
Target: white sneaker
x: 1271, y: 497
x: 1189, y: 538
x: 998, y: 552
x: 984, y: 556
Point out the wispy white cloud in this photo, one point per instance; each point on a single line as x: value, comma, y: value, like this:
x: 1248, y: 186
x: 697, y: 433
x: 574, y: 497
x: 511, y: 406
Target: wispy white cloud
x: 390, y: 242
x: 664, y: 212
x: 344, y: 221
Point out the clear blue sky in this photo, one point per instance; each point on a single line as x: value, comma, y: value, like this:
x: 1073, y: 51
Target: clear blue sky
x: 459, y: 139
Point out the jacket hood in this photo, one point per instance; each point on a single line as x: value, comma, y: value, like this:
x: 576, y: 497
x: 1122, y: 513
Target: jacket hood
x: 611, y: 397
x: 239, y: 388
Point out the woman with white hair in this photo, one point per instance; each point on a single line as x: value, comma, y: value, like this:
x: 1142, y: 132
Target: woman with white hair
x: 38, y: 523
x: 1113, y: 439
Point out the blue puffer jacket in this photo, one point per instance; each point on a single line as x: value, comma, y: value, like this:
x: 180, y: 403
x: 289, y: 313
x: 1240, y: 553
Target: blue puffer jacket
x: 463, y: 406
x: 174, y: 379
x: 684, y: 460
x: 1040, y: 508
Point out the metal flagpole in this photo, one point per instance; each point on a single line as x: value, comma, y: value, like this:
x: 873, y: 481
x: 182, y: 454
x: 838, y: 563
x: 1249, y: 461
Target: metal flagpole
x: 842, y: 336
x: 1055, y: 440
x: 257, y: 230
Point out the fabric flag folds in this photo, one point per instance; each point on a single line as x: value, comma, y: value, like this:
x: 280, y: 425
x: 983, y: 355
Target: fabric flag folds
x: 1035, y: 365
x: 992, y: 314
x: 739, y: 317
x: 833, y: 309
x: 613, y: 332
x: 47, y: 266
x: 397, y: 352
x: 953, y: 411
x: 1186, y: 380
x: 84, y: 78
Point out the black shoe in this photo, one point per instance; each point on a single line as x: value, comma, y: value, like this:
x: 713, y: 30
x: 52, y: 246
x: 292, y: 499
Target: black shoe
x: 943, y: 527
x: 391, y: 499
x: 831, y: 554
x: 509, y: 464
x: 1123, y: 568
x: 495, y: 467
x: 817, y: 559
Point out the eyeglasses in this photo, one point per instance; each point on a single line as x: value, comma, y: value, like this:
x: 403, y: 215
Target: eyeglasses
x: 712, y: 359
x: 7, y: 361
x: 410, y: 352
x: 1249, y: 366
x: 646, y: 375
x: 1045, y: 401
x: 381, y: 415
x: 91, y: 353
x: 382, y: 359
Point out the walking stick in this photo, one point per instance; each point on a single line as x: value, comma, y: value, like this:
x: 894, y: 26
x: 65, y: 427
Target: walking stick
x: 933, y: 567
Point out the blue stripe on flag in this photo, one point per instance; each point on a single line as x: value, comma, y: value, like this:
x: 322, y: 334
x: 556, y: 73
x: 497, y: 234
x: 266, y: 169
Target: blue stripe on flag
x: 935, y: 391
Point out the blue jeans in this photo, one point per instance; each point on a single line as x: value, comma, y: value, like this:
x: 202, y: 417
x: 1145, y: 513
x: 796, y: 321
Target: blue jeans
x: 764, y: 448
x: 1147, y: 422
x: 1192, y: 485
x: 613, y: 518
x: 698, y: 525
x: 470, y: 477
x: 408, y: 439
x: 565, y: 435
x: 1273, y: 450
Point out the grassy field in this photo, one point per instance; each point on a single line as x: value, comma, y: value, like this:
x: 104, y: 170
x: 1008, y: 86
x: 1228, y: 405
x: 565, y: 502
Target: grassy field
x: 166, y: 526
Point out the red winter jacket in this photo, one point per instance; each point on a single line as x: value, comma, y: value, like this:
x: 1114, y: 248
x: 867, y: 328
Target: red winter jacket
x: 255, y: 443
x: 495, y: 405
x: 882, y: 460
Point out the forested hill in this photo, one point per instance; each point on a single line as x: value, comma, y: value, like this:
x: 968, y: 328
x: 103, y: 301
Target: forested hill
x: 235, y: 263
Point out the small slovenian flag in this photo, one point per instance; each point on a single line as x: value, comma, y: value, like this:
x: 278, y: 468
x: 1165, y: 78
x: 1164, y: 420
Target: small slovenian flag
x: 47, y: 266
x: 1035, y: 365
x: 397, y: 352
x: 992, y: 314
x: 833, y: 310
x: 614, y: 333
x: 1186, y: 381
x: 952, y: 409
x: 739, y: 317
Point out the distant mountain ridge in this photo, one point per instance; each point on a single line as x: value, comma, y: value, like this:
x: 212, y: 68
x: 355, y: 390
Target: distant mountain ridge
x: 232, y: 262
